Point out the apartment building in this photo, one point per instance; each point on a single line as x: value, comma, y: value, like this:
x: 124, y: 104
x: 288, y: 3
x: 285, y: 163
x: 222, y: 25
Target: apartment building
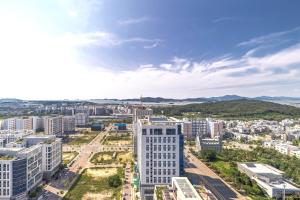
x: 199, y: 127
x: 68, y: 124
x: 51, y: 150
x: 81, y: 119
x: 160, y: 153
x: 54, y: 125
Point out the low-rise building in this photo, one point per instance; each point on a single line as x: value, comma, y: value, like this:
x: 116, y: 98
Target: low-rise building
x: 209, y: 144
x: 269, y: 179
x: 181, y: 189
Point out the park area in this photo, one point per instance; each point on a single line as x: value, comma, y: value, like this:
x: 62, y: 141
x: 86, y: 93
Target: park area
x: 68, y: 156
x: 111, y: 157
x: 82, y: 138
x: 97, y: 183
x: 118, y: 140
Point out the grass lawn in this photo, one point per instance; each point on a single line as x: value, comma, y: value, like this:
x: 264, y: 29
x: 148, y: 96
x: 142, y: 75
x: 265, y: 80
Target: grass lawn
x: 115, y: 140
x: 81, y: 138
x: 111, y: 157
x: 68, y: 156
x: 93, y: 184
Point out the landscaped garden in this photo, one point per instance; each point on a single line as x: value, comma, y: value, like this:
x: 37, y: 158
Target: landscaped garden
x: 79, y: 139
x: 118, y: 140
x: 97, y: 183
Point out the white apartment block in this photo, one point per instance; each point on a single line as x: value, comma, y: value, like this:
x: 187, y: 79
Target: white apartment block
x: 51, y: 150
x: 54, y: 125
x: 81, y: 119
x: 284, y: 148
x: 68, y: 124
x: 160, y: 153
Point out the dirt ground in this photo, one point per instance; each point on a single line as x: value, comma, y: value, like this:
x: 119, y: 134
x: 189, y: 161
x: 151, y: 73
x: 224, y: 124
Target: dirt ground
x: 100, y: 173
x: 119, y: 142
x: 92, y: 196
x: 125, y: 156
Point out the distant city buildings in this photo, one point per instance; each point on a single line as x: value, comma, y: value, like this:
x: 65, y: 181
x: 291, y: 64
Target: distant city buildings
x: 54, y: 125
x: 159, y: 154
x: 283, y: 147
x: 269, y: 179
x: 81, y: 119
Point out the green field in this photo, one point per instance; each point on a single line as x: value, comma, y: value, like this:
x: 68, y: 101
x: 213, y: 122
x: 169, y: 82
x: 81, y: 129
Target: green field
x: 93, y: 183
x: 120, y: 139
x: 81, y: 139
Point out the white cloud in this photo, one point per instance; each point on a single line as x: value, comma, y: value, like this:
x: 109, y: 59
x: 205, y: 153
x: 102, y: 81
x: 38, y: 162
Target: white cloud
x: 134, y: 21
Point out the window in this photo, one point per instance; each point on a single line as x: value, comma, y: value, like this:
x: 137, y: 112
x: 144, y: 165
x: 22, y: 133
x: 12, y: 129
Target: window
x: 174, y: 139
x: 159, y: 179
x: 164, y: 180
x: 169, y: 179
x: 154, y: 163
x: 155, y: 171
x: 169, y: 171
x: 165, y: 156
x: 174, y: 155
x: 147, y: 171
x: 147, y: 163
x: 147, y: 147
x: 174, y: 147
x: 159, y: 155
x: 164, y: 172
x: 174, y: 164
x: 144, y: 131
x: 169, y: 147
x: 159, y: 163
x: 159, y: 171
x: 151, y: 131
x: 165, y: 148
x: 169, y: 139
x: 159, y: 139
x: 155, y: 148
x: 4, y: 167
x: 159, y: 147
x: 174, y: 171
x: 157, y: 131
x: 169, y: 155
x: 147, y: 139
x: 169, y: 163
x: 171, y: 131
x: 154, y: 155
x: 164, y: 164
x: 147, y: 155
x: 155, y: 139
x: 147, y: 179
x: 164, y: 140
x: 155, y: 180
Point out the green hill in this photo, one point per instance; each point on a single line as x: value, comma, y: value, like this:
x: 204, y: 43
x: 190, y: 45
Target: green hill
x: 235, y: 109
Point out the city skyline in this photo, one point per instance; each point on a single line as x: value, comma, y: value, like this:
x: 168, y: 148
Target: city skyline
x: 110, y: 49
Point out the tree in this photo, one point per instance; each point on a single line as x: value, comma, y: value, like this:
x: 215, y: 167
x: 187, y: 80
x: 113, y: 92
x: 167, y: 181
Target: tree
x: 114, y: 181
x: 208, y: 155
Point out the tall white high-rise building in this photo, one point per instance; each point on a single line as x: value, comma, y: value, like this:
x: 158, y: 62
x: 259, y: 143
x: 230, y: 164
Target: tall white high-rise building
x: 159, y: 154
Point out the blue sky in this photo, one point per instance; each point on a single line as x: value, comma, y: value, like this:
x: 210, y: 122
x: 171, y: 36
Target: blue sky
x: 120, y: 49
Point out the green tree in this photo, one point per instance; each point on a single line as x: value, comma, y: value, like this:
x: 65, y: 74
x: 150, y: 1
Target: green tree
x: 208, y: 155
x: 114, y: 181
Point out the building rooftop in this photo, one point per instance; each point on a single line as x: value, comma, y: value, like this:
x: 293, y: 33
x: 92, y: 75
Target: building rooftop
x: 259, y: 168
x: 6, y: 157
x: 185, y: 187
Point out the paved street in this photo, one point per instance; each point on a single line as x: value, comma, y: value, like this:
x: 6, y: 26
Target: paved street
x: 199, y: 173
x: 127, y: 188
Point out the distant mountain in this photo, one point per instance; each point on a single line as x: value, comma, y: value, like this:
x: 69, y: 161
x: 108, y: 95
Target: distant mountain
x: 281, y: 98
x: 10, y: 100
x: 234, y: 109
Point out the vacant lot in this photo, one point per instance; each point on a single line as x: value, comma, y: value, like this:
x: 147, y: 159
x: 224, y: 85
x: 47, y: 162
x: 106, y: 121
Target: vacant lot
x: 69, y: 156
x: 118, y: 140
x: 93, y: 184
x: 111, y: 157
x: 80, y: 139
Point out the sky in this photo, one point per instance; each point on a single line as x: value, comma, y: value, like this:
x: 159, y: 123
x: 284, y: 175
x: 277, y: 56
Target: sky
x: 88, y: 49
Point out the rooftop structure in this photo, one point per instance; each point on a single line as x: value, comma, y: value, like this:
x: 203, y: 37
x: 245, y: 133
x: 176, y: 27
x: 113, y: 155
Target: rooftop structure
x: 268, y: 178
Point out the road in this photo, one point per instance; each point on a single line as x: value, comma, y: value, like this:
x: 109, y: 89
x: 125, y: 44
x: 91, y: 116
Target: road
x: 199, y: 173
x: 127, y: 189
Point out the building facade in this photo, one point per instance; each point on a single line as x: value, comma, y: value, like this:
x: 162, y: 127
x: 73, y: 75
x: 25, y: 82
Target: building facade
x: 160, y: 153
